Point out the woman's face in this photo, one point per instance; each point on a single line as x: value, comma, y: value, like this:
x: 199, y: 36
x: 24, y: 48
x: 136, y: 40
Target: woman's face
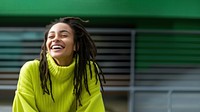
x: 60, y: 43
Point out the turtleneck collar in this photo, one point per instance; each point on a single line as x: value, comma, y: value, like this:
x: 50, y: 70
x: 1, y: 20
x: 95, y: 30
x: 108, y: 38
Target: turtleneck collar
x: 60, y: 72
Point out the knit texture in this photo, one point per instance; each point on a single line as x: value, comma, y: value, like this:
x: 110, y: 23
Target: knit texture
x: 29, y: 96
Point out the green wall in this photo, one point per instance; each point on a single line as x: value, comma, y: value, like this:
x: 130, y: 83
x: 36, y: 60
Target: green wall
x: 101, y: 8
x: 115, y: 13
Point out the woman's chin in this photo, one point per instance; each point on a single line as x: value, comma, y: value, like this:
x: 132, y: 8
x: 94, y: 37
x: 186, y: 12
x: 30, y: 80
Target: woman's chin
x: 56, y: 55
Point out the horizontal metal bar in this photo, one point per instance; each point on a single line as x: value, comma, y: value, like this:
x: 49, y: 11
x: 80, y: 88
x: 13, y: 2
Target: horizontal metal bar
x: 92, y: 30
x: 152, y: 89
x: 32, y: 29
x: 9, y: 76
x: 108, y: 30
x: 13, y: 87
x: 165, y: 88
x: 116, y: 88
x: 168, y: 31
x: 8, y: 87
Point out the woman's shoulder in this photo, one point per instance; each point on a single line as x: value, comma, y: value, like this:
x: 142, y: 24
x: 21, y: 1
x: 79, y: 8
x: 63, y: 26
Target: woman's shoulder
x: 29, y: 70
x: 32, y: 64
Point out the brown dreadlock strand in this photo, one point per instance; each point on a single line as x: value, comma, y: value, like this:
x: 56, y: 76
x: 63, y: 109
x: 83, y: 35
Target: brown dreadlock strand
x: 44, y: 72
x: 84, y: 54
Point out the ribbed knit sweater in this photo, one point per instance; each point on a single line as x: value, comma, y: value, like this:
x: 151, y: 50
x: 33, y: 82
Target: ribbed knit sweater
x: 29, y: 96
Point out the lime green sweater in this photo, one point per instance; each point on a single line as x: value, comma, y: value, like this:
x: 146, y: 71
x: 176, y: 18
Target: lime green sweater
x: 29, y: 96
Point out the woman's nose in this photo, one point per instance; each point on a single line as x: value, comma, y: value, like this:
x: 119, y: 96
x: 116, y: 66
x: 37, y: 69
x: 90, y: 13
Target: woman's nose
x: 56, y: 38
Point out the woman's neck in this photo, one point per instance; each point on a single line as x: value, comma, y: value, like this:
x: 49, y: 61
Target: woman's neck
x: 63, y: 61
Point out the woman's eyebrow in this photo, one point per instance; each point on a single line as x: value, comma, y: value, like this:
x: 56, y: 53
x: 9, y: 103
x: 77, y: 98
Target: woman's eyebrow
x: 61, y: 31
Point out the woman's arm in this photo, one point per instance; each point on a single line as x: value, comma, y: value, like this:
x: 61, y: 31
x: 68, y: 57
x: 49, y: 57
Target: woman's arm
x: 24, y: 100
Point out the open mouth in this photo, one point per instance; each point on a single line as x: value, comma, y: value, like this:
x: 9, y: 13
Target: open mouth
x: 57, y: 47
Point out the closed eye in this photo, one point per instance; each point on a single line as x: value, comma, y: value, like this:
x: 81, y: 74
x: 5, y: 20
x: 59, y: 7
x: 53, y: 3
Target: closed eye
x: 50, y: 37
x: 64, y: 35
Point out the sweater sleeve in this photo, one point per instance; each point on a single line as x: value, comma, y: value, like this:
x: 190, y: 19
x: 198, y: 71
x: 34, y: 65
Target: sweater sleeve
x: 24, y: 100
x: 93, y: 102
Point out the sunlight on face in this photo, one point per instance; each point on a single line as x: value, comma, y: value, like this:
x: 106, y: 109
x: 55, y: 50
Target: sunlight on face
x: 60, y: 43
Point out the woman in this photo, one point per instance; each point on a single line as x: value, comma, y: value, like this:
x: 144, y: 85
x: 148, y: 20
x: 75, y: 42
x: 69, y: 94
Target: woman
x: 66, y: 78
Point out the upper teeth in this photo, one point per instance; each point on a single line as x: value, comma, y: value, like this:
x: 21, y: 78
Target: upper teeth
x: 56, y: 47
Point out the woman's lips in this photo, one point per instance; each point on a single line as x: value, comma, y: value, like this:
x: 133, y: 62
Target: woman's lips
x: 57, y: 47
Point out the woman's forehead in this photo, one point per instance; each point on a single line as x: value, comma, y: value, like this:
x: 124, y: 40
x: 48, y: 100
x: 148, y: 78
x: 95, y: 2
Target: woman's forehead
x: 60, y: 27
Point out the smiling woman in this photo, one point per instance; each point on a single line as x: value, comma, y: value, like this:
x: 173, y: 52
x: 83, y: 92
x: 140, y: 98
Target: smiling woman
x: 66, y: 78
x: 60, y: 43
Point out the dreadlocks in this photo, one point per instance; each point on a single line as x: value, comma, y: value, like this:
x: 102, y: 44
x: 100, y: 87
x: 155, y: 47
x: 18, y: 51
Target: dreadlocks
x: 85, y: 52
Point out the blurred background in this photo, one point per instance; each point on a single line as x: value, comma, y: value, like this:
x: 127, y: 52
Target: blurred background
x: 148, y: 49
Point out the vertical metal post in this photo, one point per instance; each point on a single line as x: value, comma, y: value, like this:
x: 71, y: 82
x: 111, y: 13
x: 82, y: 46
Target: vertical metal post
x: 132, y: 73
x: 131, y: 100
x: 169, y: 101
